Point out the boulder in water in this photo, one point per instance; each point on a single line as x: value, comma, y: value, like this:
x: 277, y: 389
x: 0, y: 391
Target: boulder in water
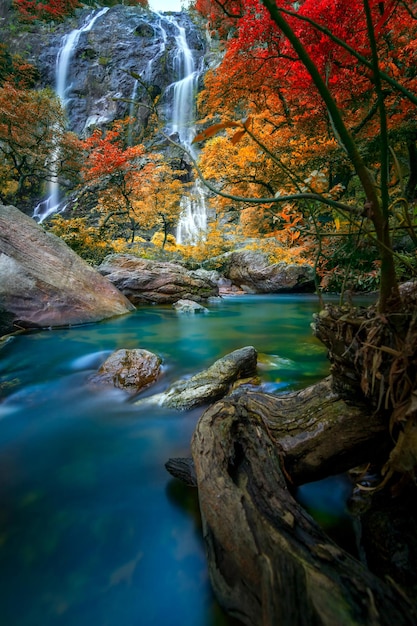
x: 151, y: 282
x: 189, y: 307
x: 234, y: 369
x: 131, y: 370
x: 44, y: 283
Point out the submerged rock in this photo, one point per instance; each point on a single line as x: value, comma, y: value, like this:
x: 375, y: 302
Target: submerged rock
x: 131, y: 370
x: 147, y: 282
x: 44, y: 283
x: 234, y: 369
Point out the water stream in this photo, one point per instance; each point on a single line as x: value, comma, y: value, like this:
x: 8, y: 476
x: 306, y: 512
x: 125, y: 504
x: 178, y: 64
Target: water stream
x: 192, y: 224
x: 181, y: 113
x: 92, y: 528
x: 63, y: 60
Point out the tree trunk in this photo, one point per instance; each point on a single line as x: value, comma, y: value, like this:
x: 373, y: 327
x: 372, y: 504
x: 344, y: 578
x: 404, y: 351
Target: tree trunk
x: 412, y: 164
x: 270, y: 564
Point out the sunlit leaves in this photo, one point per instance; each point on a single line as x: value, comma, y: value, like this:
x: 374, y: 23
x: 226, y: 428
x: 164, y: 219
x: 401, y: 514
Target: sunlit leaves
x: 213, y: 130
x: 134, y: 189
x: 159, y: 198
x: 30, y: 123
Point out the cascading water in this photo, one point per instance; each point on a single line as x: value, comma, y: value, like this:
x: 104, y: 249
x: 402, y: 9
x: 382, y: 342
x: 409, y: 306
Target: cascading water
x: 65, y: 54
x: 101, y: 80
x: 193, y: 221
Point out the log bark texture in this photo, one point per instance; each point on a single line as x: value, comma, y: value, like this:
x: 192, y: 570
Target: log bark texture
x: 270, y: 564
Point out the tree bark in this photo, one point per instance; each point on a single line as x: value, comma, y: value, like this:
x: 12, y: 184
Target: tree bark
x: 270, y: 564
x: 412, y: 164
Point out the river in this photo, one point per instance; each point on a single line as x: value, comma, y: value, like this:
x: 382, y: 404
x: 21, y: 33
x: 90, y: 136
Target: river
x: 93, y: 530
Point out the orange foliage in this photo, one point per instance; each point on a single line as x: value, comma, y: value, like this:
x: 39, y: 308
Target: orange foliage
x: 133, y: 187
x: 290, y: 145
x: 31, y: 123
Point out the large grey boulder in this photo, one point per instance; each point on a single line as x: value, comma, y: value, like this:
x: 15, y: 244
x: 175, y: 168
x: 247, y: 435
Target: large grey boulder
x: 253, y: 273
x: 218, y: 380
x: 43, y: 283
x: 143, y: 281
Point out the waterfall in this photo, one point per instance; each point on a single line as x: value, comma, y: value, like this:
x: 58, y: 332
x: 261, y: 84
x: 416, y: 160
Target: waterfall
x: 65, y: 54
x: 193, y: 220
x: 165, y: 56
x: 132, y: 110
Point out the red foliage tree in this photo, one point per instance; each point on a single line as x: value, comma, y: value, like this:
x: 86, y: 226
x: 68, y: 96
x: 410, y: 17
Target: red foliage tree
x: 221, y: 14
x: 30, y: 10
x: 15, y: 70
x: 328, y: 69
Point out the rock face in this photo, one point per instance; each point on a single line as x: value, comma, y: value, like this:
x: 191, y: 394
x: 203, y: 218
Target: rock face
x: 124, y: 43
x: 143, y: 281
x: 44, y: 283
x: 211, y: 384
x: 252, y: 272
x: 131, y: 370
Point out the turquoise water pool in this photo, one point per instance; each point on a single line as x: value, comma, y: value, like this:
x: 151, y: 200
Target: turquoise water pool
x: 93, y: 531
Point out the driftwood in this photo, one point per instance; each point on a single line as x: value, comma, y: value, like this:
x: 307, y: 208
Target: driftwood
x: 316, y: 432
x: 270, y: 564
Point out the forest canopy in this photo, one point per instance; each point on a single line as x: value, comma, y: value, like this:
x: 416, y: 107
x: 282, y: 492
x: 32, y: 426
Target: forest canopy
x: 316, y: 99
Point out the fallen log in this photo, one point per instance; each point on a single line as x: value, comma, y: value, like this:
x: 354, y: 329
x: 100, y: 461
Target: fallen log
x: 270, y: 564
x: 316, y: 431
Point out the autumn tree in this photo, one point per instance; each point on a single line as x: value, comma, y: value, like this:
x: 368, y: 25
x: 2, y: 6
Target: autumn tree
x: 159, y: 205
x: 132, y: 187
x: 354, y: 103
x: 221, y: 14
x: 341, y: 74
x: 30, y: 10
x: 31, y: 124
x: 110, y: 172
x: 16, y: 70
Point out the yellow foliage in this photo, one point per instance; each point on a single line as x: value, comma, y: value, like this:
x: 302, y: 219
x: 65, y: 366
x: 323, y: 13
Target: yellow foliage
x: 170, y: 244
x: 85, y: 240
x: 278, y: 253
x: 212, y: 245
x: 7, y: 187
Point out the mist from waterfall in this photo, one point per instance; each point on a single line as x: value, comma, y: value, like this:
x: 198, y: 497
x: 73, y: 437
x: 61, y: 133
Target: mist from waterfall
x: 65, y: 54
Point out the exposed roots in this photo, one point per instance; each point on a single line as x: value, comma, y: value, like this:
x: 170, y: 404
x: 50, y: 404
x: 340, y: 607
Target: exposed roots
x: 374, y: 359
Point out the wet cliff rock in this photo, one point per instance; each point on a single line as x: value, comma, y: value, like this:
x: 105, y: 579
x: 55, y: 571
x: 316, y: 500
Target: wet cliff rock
x: 124, y: 60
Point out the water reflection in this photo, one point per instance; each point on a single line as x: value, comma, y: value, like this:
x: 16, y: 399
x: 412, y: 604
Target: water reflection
x: 92, y: 528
